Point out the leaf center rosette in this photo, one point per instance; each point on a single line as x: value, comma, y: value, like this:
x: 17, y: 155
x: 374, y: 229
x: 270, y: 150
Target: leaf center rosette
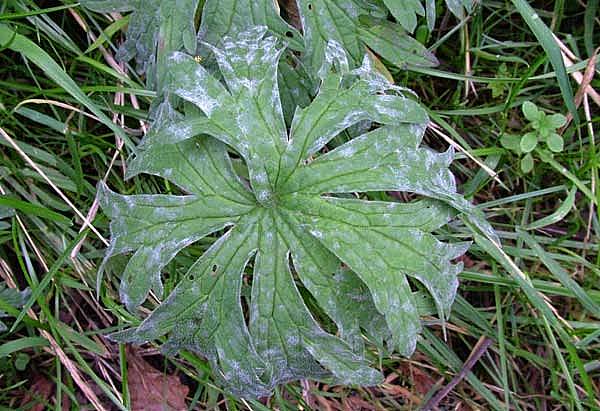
x: 289, y: 224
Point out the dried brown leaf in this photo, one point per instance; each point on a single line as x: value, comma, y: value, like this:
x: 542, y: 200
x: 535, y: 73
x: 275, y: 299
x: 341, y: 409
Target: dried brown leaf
x: 152, y: 390
x: 587, y: 78
x: 584, y: 86
x: 39, y: 393
x: 355, y: 403
x: 422, y: 382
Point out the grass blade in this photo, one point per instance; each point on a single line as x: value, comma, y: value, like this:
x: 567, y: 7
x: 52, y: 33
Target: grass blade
x: 544, y: 36
x: 556, y: 216
x: 589, y: 22
x: 33, y: 209
x: 21, y: 44
x: 561, y: 274
x: 22, y: 344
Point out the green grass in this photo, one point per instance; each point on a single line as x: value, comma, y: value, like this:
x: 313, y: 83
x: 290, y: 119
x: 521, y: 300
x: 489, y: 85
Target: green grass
x: 537, y: 299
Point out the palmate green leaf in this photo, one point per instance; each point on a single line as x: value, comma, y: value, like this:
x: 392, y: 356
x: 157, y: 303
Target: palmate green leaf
x: 230, y: 17
x: 222, y: 18
x: 340, y: 20
x: 394, y: 45
x: 156, y: 29
x: 406, y: 12
x: 287, y: 233
x: 359, y: 23
x: 296, y: 87
x: 203, y: 168
x: 460, y: 8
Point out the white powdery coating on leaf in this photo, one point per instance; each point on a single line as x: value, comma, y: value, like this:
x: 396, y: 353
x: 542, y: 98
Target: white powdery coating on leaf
x: 417, y: 129
x: 335, y: 55
x: 261, y: 177
x: 318, y: 144
x: 263, y: 196
x: 347, y: 151
x: 366, y: 67
x: 130, y: 201
x: 388, y: 106
x: 292, y: 340
x: 199, y: 97
x: 253, y: 35
x: 179, y: 132
x: 250, y: 85
x: 316, y: 233
x: 376, y: 81
x: 350, y: 8
x: 179, y: 57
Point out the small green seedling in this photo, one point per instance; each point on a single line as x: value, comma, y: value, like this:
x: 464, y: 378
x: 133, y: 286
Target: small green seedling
x: 499, y: 88
x: 543, y: 128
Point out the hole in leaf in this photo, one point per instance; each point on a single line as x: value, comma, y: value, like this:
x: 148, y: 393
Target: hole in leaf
x: 403, y: 196
x: 310, y: 6
x: 246, y: 289
x: 311, y: 303
x: 289, y: 34
x: 245, y: 302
